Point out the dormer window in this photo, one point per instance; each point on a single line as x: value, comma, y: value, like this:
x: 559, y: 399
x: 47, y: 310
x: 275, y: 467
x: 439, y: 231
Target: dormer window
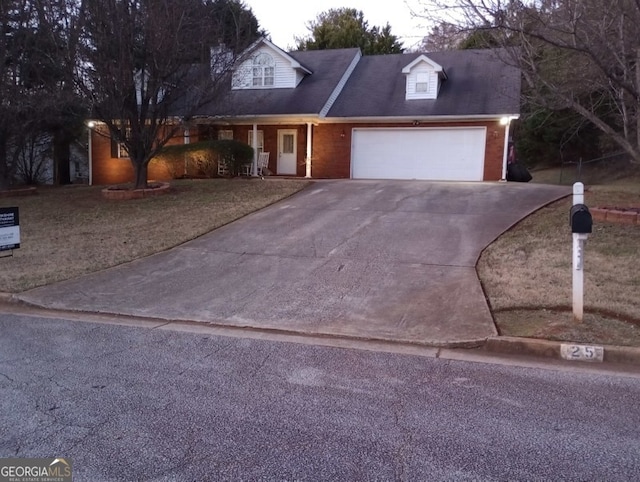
x: 423, y: 78
x: 422, y: 82
x: 258, y: 69
x: 263, y: 70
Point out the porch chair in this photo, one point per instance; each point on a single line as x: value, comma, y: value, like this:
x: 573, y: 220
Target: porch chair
x: 263, y: 163
x: 223, y: 170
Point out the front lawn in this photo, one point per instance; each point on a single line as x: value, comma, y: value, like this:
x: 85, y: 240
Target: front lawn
x: 527, y: 274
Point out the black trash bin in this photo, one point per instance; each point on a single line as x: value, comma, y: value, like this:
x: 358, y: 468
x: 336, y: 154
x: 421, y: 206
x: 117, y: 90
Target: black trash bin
x: 517, y: 172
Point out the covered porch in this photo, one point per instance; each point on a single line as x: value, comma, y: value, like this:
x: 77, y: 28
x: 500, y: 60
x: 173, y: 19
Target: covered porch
x: 289, y: 143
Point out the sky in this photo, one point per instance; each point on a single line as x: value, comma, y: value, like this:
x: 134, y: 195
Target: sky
x: 284, y: 19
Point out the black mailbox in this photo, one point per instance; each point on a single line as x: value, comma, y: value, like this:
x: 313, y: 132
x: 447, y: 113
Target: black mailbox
x: 580, y: 219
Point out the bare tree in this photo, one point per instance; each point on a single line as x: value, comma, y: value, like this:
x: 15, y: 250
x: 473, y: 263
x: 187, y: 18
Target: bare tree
x: 142, y: 66
x: 577, y: 54
x: 443, y: 36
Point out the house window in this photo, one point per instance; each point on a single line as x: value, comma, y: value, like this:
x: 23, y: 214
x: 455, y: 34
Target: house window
x: 422, y: 82
x: 260, y: 142
x: 121, y: 149
x: 263, y: 70
x: 226, y: 134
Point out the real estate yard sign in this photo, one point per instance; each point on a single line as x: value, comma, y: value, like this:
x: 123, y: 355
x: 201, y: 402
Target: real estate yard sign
x: 9, y: 229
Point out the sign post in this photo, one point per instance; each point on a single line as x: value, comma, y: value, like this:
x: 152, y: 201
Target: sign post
x: 9, y: 229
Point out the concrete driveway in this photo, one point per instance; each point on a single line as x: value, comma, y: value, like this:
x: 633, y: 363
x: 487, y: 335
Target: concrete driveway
x: 390, y: 260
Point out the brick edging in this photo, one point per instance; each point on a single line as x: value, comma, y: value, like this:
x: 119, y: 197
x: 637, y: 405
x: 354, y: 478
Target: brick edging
x: 125, y: 194
x: 618, y: 216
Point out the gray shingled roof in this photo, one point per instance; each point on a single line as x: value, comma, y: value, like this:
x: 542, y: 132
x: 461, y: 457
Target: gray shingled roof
x: 478, y: 83
x: 309, y: 97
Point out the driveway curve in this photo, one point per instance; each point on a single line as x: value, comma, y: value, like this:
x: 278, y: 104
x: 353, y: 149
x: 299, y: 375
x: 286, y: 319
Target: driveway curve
x: 385, y: 260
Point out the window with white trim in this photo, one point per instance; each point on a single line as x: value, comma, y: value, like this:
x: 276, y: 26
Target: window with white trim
x: 118, y: 149
x: 226, y: 134
x: 260, y: 142
x: 422, y: 82
x: 263, y: 70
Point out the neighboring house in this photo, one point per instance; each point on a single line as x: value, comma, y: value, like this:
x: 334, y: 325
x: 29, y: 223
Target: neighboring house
x: 34, y: 161
x: 338, y: 114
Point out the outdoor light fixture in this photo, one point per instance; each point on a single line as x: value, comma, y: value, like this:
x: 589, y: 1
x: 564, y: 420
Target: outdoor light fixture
x: 342, y: 134
x: 506, y: 120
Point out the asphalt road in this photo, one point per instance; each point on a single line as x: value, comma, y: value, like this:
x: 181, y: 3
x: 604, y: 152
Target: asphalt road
x: 133, y: 403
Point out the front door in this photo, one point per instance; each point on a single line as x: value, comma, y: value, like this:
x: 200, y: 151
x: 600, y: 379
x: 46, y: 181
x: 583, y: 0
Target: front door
x: 287, y: 153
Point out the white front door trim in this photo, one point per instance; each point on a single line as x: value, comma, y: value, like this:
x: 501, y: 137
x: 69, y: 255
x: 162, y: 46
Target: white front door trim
x: 287, y: 151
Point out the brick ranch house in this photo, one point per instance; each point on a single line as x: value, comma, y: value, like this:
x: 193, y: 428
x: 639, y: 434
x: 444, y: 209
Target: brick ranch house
x: 338, y: 114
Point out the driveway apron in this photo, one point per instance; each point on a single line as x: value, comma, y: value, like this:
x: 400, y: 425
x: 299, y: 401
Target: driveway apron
x: 386, y: 260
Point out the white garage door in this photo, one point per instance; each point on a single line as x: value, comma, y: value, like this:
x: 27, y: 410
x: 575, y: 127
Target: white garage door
x: 446, y: 154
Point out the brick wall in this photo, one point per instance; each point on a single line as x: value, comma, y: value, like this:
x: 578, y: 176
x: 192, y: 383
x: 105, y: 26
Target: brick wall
x: 494, y: 151
x: 113, y: 170
x: 331, y: 155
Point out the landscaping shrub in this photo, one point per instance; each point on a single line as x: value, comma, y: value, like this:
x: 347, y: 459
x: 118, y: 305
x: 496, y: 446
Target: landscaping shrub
x: 204, y: 157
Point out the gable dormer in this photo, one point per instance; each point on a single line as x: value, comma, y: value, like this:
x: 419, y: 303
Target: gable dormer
x: 423, y: 78
x: 266, y: 66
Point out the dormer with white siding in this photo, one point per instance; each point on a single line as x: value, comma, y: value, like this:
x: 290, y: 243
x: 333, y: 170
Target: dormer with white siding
x: 268, y: 67
x: 423, y: 78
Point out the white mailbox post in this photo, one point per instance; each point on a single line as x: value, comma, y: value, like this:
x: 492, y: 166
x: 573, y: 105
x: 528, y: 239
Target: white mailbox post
x: 581, y: 225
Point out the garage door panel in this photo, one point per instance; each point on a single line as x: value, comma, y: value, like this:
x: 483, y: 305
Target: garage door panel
x: 430, y: 153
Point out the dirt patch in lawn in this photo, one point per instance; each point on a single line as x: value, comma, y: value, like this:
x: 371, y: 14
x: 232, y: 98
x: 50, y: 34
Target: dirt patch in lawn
x: 69, y: 231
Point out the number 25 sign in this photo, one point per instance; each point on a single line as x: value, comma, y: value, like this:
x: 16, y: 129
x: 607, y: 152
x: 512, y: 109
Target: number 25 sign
x: 582, y: 352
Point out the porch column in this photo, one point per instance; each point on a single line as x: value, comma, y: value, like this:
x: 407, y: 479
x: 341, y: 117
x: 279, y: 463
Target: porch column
x: 308, y: 157
x: 254, y: 165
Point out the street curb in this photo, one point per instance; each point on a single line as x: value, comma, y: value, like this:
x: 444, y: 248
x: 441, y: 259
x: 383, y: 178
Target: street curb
x: 470, y: 343
x: 500, y: 345
x: 551, y: 349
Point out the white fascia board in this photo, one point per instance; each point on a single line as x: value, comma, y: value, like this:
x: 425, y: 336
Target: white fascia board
x: 343, y: 81
x: 436, y: 118
x: 315, y: 119
x: 263, y: 120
